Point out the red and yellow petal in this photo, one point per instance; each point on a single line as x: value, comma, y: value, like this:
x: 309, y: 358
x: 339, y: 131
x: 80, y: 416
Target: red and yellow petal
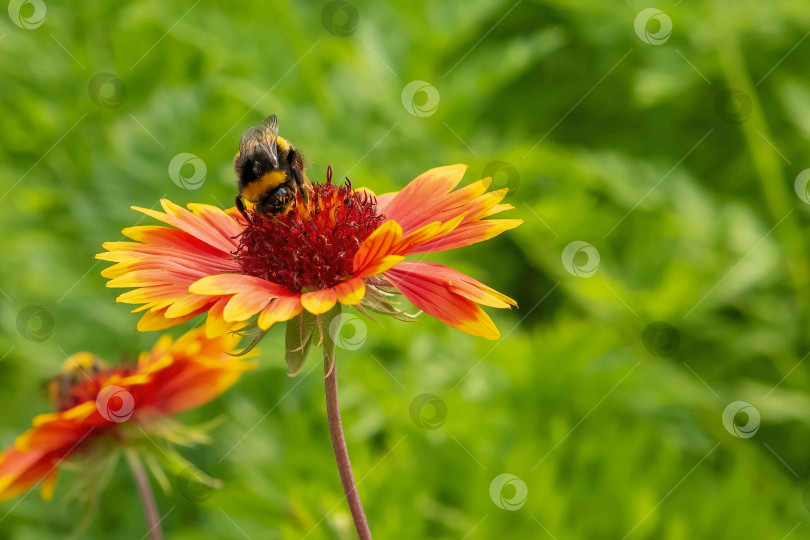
x: 223, y: 284
x: 215, y: 323
x: 435, y: 230
x: 459, y: 283
x: 157, y: 320
x: 20, y: 471
x: 376, y: 247
x: 384, y: 200
x: 449, y: 296
x: 430, y: 199
x: 186, y: 305
x: 190, y: 383
x: 209, y: 224
x: 186, y: 373
x: 280, y: 309
x: 250, y: 294
x: 163, y: 261
x: 319, y: 302
x: 48, y: 436
x: 467, y: 234
x: 37, y: 452
x: 376, y: 252
x: 49, y: 484
x: 423, y: 189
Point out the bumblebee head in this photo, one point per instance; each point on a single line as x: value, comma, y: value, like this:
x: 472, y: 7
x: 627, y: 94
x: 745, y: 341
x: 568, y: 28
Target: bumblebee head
x: 276, y: 201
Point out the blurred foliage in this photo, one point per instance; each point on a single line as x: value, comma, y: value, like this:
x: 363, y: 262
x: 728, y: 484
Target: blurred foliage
x: 616, y: 142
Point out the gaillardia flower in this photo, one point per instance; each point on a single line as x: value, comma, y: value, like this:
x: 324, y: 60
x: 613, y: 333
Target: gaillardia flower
x: 339, y: 245
x: 100, y: 408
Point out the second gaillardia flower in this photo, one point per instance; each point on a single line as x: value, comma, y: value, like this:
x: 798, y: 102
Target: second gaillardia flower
x: 103, y: 411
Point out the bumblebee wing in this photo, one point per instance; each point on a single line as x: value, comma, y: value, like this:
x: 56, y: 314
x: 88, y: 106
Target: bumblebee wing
x: 262, y: 138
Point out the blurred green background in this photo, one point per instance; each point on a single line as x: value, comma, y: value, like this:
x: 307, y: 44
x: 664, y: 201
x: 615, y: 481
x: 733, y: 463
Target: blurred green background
x: 610, y: 133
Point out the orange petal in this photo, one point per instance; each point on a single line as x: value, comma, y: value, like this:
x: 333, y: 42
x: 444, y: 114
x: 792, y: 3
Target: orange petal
x: 381, y: 265
x: 319, y: 302
x: 49, y: 485
x: 428, y: 233
x: 221, y: 284
x: 187, y: 304
x: 156, y: 320
x: 246, y: 304
x: 215, y: 323
x: 374, y: 249
x: 280, y: 309
x: 48, y: 436
x: 19, y: 471
x: 351, y: 292
x: 467, y: 234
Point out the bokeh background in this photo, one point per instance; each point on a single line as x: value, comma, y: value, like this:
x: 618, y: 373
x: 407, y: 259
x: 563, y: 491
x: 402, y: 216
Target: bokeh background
x: 666, y: 142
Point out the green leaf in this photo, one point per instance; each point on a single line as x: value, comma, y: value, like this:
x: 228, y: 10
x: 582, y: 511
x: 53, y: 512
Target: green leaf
x: 325, y: 323
x: 298, y: 338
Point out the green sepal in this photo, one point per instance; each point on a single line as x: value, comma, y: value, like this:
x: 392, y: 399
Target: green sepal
x: 298, y: 338
x: 250, y: 330
x: 325, y: 324
x: 192, y: 482
x: 94, y: 471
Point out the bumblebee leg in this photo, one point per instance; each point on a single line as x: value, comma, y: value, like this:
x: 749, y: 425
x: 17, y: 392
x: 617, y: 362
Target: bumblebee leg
x: 240, y: 205
x: 301, y: 185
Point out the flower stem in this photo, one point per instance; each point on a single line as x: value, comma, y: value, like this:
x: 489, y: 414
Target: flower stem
x: 342, y: 453
x: 147, y: 497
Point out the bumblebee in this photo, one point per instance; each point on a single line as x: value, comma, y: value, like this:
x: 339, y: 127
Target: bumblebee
x: 79, y: 368
x: 269, y: 171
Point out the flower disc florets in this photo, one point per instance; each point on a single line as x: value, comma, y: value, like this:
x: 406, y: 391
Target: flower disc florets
x: 83, y: 383
x: 313, y: 245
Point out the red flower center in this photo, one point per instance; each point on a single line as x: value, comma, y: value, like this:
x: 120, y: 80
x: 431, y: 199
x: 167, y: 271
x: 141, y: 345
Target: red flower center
x: 312, y: 246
